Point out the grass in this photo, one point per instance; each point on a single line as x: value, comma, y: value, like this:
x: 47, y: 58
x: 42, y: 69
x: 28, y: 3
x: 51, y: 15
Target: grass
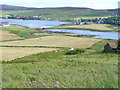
x: 21, y: 31
x: 6, y: 13
x: 57, y: 70
x: 54, y: 41
x: 60, y: 13
x: 11, y: 53
x: 94, y: 27
x: 6, y: 35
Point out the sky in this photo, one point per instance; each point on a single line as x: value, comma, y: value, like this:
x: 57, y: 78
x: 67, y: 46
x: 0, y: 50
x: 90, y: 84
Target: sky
x: 95, y: 4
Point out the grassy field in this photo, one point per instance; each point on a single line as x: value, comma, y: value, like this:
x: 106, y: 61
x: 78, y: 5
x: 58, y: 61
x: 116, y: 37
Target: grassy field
x: 10, y: 53
x: 6, y: 35
x: 56, y: 41
x: 91, y: 69
x: 32, y: 66
x: 21, y: 31
x: 6, y: 13
x: 96, y: 27
x: 60, y: 13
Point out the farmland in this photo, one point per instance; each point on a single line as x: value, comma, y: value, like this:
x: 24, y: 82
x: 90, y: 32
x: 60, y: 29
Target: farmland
x: 91, y: 69
x: 36, y: 62
x: 94, y: 27
x: 20, y: 31
x: 60, y: 13
x: 6, y: 35
x: 56, y: 41
x: 11, y: 53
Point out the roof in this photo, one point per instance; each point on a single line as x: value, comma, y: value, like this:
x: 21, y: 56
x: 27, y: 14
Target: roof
x: 113, y: 45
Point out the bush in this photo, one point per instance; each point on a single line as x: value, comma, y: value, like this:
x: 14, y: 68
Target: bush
x: 73, y: 52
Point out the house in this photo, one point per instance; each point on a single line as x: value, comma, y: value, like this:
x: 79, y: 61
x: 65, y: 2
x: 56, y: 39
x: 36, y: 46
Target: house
x: 4, y: 24
x: 99, y: 22
x: 111, y: 47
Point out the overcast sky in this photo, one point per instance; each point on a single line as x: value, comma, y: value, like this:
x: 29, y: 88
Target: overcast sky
x: 95, y: 4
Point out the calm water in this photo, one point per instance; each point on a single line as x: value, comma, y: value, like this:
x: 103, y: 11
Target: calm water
x: 35, y: 23
x: 103, y: 35
x: 46, y: 23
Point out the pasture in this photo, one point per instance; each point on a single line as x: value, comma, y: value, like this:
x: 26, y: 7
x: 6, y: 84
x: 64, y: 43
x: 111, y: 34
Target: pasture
x: 60, y: 13
x: 93, y: 26
x: 21, y: 31
x: 54, y: 41
x: 96, y: 27
x: 57, y: 70
x: 6, y: 35
x: 11, y: 53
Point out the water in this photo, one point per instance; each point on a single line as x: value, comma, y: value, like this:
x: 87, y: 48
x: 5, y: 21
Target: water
x: 47, y: 23
x: 102, y: 35
x: 34, y: 23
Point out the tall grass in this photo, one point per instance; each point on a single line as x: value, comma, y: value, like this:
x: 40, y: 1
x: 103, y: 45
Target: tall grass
x: 56, y: 70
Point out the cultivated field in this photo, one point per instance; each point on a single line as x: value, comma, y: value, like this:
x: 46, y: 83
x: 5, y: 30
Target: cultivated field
x: 20, y: 31
x: 6, y: 35
x: 56, y: 41
x: 57, y: 70
x: 97, y: 27
x: 93, y: 26
x: 10, y: 53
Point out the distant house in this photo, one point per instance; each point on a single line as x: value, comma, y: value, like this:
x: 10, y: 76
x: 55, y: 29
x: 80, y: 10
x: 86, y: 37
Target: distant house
x: 100, y: 22
x: 4, y: 24
x: 111, y: 47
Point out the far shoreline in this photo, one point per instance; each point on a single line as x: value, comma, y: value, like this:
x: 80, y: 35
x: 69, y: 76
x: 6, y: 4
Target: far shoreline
x: 45, y: 28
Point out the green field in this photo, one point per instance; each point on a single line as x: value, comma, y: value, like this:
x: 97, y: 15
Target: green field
x: 94, y: 27
x: 91, y: 69
x: 22, y: 31
x: 60, y: 13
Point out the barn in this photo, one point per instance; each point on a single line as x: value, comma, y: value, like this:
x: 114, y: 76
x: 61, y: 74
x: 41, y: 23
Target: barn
x: 111, y: 47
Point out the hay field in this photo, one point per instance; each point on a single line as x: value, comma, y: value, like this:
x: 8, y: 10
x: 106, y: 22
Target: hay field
x: 56, y: 41
x: 6, y: 35
x: 92, y: 26
x: 10, y: 53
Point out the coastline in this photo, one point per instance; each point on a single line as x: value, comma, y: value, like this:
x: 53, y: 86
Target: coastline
x: 73, y: 29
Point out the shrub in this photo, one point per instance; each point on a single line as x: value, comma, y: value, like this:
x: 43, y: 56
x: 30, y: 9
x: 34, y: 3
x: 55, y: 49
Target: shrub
x: 73, y: 52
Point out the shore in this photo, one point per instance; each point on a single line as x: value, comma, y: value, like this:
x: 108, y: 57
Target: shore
x: 45, y: 28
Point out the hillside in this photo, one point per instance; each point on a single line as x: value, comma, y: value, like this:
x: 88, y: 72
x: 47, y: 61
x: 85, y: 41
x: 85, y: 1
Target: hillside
x: 19, y: 8
x: 54, y: 13
x: 15, y: 8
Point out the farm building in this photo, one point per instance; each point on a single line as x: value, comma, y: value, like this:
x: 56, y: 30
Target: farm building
x: 4, y: 24
x: 112, y: 47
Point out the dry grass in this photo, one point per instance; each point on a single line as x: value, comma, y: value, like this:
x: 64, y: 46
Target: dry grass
x: 92, y: 26
x: 56, y: 41
x: 6, y: 35
x: 10, y: 53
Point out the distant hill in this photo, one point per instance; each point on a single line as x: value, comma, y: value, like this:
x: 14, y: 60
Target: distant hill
x: 56, y: 12
x: 16, y: 8
x: 113, y: 12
